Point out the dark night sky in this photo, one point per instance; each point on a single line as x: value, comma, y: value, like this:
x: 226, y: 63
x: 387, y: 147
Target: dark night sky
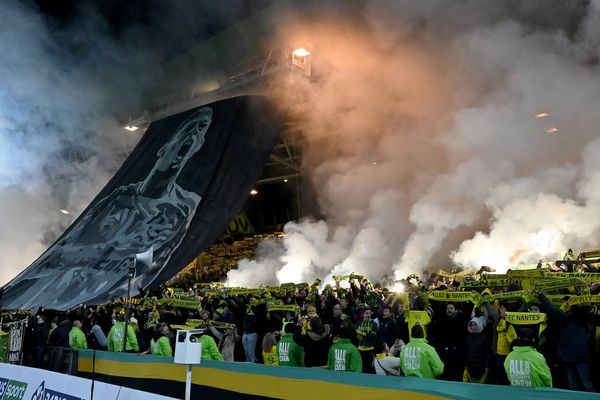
x: 173, y: 27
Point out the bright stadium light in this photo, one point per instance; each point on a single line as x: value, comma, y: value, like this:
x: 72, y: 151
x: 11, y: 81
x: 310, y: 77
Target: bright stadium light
x: 137, y: 123
x: 285, y: 180
x: 398, y: 287
x: 254, y: 192
x: 131, y: 128
x: 301, y: 60
x: 301, y: 52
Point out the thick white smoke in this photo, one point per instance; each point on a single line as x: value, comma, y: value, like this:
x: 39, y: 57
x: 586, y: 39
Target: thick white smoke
x: 424, y: 141
x: 64, y: 81
x: 58, y: 144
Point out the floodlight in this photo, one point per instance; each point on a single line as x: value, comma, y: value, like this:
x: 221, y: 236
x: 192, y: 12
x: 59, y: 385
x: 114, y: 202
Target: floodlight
x: 301, y: 52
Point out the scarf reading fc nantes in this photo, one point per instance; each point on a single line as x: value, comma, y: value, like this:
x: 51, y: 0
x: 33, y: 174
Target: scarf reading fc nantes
x: 527, y: 318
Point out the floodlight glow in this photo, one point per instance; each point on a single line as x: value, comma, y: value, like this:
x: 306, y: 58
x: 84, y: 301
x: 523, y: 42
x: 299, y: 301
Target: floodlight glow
x: 254, y: 192
x: 398, y: 287
x: 344, y: 284
x: 65, y: 212
x: 132, y: 128
x: 301, y: 52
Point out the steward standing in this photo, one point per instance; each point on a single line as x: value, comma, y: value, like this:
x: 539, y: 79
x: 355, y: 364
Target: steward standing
x: 117, y: 335
x: 343, y: 355
x: 289, y: 353
x: 77, y: 340
x: 420, y: 359
x: 526, y: 367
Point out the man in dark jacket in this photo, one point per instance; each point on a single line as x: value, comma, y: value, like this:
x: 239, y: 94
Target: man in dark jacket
x: 449, y: 340
x: 387, y: 331
x: 41, y: 338
x: 250, y: 337
x: 60, y: 336
x: 574, y: 342
x: 60, y: 339
x: 316, y: 343
x: 366, y: 332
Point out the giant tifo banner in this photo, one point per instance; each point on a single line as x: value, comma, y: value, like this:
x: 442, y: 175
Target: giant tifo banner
x: 23, y: 383
x: 185, y: 180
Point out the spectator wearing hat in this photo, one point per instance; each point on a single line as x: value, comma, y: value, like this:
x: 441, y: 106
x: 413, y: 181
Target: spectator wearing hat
x: 311, y: 312
x: 478, y: 352
x: 366, y: 332
x: 418, y: 358
x: 139, y: 334
x: 217, y: 314
x: 524, y: 366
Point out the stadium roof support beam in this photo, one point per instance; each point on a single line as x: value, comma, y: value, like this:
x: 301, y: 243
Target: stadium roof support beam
x: 287, y: 163
x: 276, y: 179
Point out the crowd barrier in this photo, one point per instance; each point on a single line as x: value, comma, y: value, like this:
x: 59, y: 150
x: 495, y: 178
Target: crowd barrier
x: 25, y: 383
x: 238, y: 380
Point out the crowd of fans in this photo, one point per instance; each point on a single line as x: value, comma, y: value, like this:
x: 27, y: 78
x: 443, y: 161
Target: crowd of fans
x: 213, y: 264
x: 380, y: 329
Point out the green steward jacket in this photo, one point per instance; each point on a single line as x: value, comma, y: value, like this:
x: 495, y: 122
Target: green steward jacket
x: 418, y: 358
x: 115, y: 338
x: 210, y: 351
x: 527, y: 368
x: 77, y: 339
x: 289, y: 353
x: 344, y: 356
x: 161, y: 347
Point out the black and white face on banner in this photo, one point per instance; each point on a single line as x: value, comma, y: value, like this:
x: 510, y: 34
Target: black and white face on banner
x: 154, y: 207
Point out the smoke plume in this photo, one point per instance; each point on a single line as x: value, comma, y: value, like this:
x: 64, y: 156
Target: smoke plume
x: 71, y: 72
x: 422, y: 141
x: 425, y: 141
